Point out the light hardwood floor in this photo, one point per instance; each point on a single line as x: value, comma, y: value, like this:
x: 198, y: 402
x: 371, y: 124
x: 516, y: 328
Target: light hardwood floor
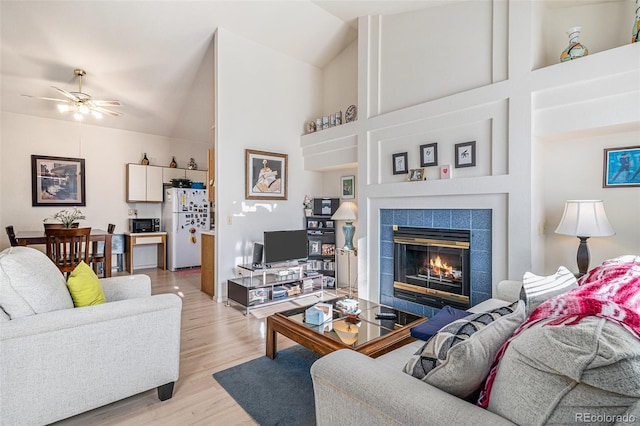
x: 214, y: 337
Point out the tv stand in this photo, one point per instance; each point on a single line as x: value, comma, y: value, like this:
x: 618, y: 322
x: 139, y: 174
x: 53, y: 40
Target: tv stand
x: 269, y: 284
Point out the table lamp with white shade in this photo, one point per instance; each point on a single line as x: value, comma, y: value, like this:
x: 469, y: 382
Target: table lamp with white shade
x: 348, y: 211
x: 584, y: 219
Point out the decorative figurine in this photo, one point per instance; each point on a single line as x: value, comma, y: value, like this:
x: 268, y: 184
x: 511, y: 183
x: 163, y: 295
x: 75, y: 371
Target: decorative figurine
x: 173, y: 163
x: 192, y: 165
x: 145, y: 160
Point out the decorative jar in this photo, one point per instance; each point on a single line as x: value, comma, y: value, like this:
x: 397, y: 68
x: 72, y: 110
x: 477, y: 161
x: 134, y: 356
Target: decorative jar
x: 575, y: 49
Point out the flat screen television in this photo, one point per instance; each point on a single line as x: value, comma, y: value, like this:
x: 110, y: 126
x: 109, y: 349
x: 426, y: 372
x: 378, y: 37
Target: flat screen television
x: 284, y: 246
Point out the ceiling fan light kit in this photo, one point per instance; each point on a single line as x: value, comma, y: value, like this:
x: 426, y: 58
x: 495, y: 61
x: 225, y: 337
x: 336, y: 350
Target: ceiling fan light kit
x: 80, y: 103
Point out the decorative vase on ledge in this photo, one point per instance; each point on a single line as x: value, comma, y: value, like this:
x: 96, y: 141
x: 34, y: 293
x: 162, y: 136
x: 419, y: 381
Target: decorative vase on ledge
x: 308, y: 212
x: 575, y: 49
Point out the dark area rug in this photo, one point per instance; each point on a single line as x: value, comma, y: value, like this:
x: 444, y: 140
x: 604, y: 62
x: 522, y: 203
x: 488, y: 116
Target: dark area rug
x: 274, y: 392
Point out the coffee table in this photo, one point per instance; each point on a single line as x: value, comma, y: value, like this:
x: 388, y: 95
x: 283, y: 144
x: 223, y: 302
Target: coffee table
x: 364, y: 334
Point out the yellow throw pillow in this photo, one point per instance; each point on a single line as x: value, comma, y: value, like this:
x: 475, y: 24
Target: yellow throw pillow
x: 85, y: 287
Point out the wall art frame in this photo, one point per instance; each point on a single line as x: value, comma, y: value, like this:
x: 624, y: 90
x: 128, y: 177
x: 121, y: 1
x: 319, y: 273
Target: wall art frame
x: 465, y: 154
x: 429, y: 154
x: 400, y: 163
x: 621, y: 167
x: 57, y: 181
x: 266, y: 175
x: 348, y: 185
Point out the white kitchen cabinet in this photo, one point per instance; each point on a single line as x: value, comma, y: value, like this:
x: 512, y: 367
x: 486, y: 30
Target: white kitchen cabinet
x: 169, y: 173
x: 197, y: 176
x: 144, y: 183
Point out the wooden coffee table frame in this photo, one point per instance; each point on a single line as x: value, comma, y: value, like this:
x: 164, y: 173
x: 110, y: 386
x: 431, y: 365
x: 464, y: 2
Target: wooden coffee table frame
x: 320, y: 344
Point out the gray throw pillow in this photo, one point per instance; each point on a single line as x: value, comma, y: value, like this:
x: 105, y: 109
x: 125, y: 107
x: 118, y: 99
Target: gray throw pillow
x: 537, y: 289
x: 458, y: 358
x: 30, y: 283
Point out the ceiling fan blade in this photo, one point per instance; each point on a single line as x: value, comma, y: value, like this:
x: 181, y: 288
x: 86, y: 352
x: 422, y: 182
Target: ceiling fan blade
x: 107, y: 103
x: 67, y: 94
x: 108, y: 111
x: 46, y: 99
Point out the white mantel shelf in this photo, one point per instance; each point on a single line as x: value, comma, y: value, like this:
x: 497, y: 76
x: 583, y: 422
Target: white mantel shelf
x: 331, y: 148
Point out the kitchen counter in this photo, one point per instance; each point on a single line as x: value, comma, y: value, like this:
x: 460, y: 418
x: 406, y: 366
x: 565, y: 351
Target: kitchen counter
x: 211, y: 232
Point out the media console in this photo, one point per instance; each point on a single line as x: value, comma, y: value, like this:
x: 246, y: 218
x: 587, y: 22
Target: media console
x: 258, y: 286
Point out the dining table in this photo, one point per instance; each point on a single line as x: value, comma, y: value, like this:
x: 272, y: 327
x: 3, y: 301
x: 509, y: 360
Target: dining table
x: 27, y: 238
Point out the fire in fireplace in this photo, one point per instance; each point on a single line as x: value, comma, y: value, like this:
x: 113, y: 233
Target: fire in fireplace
x: 431, y: 266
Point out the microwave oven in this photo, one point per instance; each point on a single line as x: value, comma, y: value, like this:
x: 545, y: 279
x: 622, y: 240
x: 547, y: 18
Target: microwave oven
x: 144, y: 225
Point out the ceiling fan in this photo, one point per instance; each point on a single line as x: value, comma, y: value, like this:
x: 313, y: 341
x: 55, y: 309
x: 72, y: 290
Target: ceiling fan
x: 81, y: 104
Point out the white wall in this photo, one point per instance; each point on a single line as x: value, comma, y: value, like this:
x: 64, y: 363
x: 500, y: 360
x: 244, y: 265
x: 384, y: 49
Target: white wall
x: 105, y: 150
x: 340, y: 81
x: 463, y: 72
x: 568, y: 178
x: 263, y: 99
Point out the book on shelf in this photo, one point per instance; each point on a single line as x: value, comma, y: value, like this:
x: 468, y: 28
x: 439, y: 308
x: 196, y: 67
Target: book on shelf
x: 292, y: 289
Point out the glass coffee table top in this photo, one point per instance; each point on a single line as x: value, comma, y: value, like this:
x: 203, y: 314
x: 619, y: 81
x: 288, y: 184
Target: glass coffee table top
x: 358, y: 330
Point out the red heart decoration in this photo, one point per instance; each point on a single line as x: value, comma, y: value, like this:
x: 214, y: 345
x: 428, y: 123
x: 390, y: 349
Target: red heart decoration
x: 445, y: 170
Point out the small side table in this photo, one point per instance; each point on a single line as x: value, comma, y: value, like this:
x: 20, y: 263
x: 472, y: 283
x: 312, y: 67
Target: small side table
x: 348, y: 253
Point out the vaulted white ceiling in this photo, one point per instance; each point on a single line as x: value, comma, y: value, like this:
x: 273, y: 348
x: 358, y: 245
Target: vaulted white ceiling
x: 156, y: 57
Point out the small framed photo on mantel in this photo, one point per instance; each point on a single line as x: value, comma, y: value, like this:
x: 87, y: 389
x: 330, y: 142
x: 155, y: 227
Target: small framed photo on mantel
x: 417, y: 175
x: 429, y: 155
x: 400, y: 163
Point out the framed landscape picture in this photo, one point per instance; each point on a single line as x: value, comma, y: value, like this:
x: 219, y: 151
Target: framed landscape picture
x: 347, y: 183
x: 621, y: 167
x: 57, y: 181
x: 265, y: 175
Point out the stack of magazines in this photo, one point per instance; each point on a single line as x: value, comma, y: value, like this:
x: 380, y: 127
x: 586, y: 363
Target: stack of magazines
x: 279, y: 292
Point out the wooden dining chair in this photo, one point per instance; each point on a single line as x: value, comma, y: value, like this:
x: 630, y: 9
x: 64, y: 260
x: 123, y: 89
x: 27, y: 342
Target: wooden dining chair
x: 97, y: 251
x: 67, y: 247
x: 12, y: 236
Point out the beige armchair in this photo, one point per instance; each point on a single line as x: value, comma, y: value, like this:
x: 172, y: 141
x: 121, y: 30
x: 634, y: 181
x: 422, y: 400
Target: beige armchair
x: 57, y: 361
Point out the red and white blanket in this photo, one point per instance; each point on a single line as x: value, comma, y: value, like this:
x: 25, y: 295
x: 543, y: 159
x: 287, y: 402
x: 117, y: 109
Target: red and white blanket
x: 611, y: 291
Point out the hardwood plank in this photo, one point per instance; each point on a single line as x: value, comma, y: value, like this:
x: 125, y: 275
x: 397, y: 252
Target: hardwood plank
x: 214, y: 337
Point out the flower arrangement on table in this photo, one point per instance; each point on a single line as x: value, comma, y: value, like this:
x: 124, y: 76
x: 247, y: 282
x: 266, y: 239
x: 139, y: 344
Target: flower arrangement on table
x: 67, y: 217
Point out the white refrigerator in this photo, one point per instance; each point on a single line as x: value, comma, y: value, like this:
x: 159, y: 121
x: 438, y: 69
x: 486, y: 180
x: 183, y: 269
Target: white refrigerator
x: 185, y: 214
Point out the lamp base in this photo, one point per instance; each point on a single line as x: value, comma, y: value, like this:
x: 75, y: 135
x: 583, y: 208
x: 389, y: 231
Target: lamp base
x: 583, y: 257
x: 349, y: 230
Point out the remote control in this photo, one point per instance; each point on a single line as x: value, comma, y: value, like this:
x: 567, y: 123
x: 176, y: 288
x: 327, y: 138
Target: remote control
x: 386, y: 315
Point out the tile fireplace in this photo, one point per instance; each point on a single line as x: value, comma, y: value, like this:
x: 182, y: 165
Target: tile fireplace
x: 466, y: 278
x: 431, y: 266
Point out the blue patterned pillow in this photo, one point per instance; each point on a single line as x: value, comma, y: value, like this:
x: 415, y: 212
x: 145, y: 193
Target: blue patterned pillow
x: 458, y: 357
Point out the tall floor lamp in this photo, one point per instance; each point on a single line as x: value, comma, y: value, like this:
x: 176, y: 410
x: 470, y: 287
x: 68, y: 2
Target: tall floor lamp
x: 584, y: 219
x: 347, y: 211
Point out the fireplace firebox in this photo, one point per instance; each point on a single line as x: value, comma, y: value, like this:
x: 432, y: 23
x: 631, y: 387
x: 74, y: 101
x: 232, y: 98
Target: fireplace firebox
x: 431, y: 266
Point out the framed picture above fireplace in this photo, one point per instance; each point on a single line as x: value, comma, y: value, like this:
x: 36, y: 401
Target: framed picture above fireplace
x: 429, y: 155
x: 465, y: 154
x: 400, y: 163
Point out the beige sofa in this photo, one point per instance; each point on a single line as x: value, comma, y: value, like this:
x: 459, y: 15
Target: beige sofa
x: 589, y: 373
x: 57, y: 361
